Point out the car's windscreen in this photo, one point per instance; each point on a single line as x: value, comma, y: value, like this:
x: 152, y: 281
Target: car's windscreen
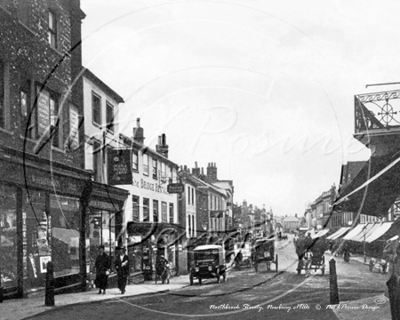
x: 206, y: 255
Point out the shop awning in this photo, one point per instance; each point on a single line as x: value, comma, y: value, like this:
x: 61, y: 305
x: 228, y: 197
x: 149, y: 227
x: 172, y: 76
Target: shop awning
x: 383, y: 228
x: 374, y: 189
x: 320, y: 233
x: 366, y: 232
x: 338, y: 233
x: 356, y: 231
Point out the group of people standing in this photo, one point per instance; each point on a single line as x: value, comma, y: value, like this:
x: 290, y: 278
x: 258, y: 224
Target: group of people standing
x: 103, y: 266
x: 121, y: 263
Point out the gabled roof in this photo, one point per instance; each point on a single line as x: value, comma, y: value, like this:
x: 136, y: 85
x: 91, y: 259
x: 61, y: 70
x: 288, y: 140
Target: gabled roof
x: 107, y: 90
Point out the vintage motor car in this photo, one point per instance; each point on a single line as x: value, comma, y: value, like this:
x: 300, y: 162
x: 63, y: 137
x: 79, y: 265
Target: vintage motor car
x: 208, y: 262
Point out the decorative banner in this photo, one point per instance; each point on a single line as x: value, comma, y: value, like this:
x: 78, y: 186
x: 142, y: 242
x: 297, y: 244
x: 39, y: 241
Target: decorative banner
x: 119, y: 166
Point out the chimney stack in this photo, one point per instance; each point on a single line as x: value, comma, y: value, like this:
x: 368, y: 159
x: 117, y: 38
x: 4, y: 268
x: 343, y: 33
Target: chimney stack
x: 196, y: 170
x: 138, y: 134
x: 212, y: 172
x: 162, y: 147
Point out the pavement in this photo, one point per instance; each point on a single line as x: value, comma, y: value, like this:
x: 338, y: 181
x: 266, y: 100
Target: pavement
x: 17, y: 309
x: 371, y: 308
x: 375, y: 307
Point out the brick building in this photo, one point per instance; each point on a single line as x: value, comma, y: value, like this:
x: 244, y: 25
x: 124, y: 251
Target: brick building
x: 45, y: 190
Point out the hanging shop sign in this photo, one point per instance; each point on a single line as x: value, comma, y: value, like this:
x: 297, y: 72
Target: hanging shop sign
x: 119, y: 167
x: 176, y: 188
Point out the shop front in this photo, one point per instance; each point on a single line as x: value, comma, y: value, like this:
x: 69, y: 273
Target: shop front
x: 40, y: 222
x: 48, y: 212
x: 104, y: 222
x: 147, y: 241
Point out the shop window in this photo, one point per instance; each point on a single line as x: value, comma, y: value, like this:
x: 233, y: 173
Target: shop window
x: 52, y: 29
x: 100, y: 230
x: 135, y: 161
x: 8, y: 236
x: 164, y: 213
x: 145, y: 164
x: 146, y: 215
x: 35, y: 238
x: 171, y: 213
x: 154, y: 161
x: 96, y: 109
x: 110, y: 117
x: 135, y: 208
x: 155, y: 211
x: 64, y: 229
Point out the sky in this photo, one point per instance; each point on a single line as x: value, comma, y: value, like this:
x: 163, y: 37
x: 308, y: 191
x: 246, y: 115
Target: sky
x: 265, y: 89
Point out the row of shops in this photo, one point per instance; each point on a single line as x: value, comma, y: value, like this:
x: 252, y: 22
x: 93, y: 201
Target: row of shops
x: 366, y: 238
x: 49, y: 213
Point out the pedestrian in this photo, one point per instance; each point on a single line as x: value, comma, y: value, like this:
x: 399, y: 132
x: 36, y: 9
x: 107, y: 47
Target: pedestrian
x: 122, y: 267
x: 346, y: 254
x: 102, y: 266
x: 307, y: 261
x: 166, y: 274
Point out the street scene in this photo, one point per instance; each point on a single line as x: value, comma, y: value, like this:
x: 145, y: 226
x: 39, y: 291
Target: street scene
x: 166, y: 159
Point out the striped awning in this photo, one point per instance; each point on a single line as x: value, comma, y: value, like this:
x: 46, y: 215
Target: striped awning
x: 356, y: 231
x: 383, y: 228
x: 320, y: 233
x: 337, y: 234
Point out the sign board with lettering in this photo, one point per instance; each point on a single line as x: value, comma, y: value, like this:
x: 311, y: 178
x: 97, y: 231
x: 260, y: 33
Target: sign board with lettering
x: 43, y: 103
x: 176, y: 188
x: 119, y: 166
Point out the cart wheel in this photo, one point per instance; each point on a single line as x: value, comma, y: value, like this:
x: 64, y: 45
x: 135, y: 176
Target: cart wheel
x: 191, y: 279
x: 199, y: 281
x: 276, y: 263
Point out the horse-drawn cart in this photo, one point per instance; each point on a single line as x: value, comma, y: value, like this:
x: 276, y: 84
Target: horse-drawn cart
x: 263, y: 250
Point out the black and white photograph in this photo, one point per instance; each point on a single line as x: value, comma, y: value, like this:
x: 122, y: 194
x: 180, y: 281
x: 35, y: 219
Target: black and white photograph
x: 199, y: 159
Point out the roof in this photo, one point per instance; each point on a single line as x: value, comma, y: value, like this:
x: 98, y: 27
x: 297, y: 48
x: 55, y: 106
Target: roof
x: 208, y: 246
x: 290, y: 219
x: 145, y: 149
x: 92, y: 77
x: 215, y: 188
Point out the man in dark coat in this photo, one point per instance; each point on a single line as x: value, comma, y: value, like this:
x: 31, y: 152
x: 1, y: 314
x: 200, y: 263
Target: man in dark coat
x: 122, y: 267
x: 102, y: 266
